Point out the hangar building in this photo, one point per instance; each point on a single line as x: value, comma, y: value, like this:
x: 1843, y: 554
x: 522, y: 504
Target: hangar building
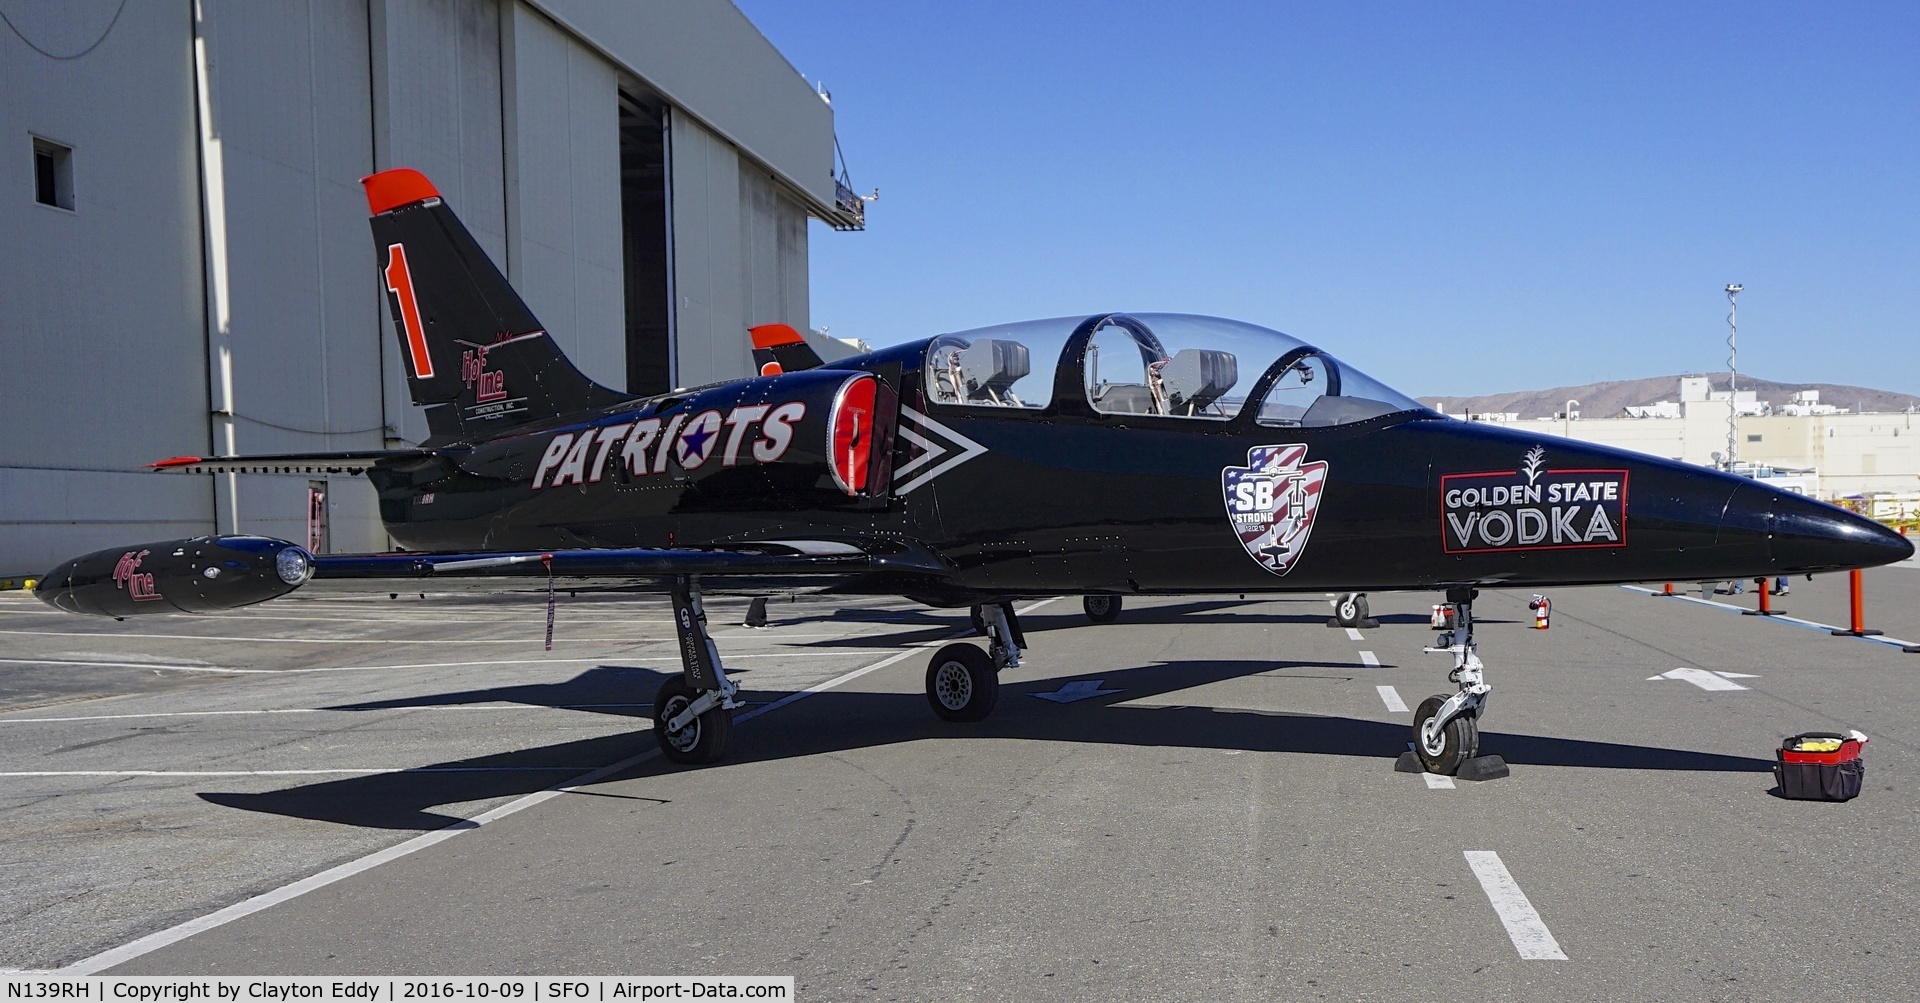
x: 189, y: 269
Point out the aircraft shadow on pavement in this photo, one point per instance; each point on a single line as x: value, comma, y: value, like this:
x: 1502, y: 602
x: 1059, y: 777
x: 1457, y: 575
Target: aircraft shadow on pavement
x: 620, y: 690
x: 838, y: 721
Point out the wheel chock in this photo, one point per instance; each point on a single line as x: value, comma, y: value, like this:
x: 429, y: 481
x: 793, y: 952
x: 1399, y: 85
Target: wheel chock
x: 1367, y: 623
x: 1408, y: 763
x: 1483, y: 768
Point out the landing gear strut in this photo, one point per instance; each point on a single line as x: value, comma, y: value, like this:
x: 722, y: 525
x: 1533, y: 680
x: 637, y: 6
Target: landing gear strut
x: 1446, y: 729
x: 693, y: 711
x: 963, y: 682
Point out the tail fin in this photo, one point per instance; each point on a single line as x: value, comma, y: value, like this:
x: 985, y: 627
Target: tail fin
x: 475, y: 357
x: 778, y: 349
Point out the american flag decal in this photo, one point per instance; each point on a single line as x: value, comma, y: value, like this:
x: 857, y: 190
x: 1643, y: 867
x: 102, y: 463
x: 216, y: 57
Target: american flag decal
x: 1272, y: 501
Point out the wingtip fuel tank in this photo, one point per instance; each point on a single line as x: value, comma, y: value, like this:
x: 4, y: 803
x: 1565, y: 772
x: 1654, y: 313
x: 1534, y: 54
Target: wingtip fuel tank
x: 201, y: 575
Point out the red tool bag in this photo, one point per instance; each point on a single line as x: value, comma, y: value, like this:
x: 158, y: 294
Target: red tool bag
x: 1820, y: 766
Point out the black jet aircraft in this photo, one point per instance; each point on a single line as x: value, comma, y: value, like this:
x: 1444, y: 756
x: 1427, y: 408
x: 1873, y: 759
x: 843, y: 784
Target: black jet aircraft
x: 1109, y: 455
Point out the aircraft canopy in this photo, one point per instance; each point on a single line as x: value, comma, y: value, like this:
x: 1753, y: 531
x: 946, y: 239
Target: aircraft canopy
x: 1169, y: 365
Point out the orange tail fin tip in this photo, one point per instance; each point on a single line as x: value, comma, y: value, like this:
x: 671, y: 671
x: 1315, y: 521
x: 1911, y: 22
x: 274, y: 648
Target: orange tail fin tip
x: 391, y: 189
x: 769, y: 335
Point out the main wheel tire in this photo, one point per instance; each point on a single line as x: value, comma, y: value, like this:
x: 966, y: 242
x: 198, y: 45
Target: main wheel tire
x: 962, y: 684
x: 1350, y: 608
x: 1101, y: 609
x: 1456, y: 743
x: 703, y: 740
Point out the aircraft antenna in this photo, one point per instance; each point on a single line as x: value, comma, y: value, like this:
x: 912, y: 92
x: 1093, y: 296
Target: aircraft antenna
x: 1733, y: 369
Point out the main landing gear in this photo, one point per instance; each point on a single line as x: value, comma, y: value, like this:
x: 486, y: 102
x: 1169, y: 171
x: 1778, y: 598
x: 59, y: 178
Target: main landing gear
x: 1101, y: 608
x: 693, y: 711
x: 1350, y: 610
x: 1446, y: 729
x: 963, y: 682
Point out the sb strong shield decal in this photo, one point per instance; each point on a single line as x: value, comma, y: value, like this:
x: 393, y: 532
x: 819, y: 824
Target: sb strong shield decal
x: 1272, y: 501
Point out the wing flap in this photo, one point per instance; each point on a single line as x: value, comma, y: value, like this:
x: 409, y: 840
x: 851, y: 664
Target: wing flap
x: 772, y: 559
x: 287, y: 463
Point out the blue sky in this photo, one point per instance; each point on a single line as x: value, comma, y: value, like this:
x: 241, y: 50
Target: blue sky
x: 1457, y: 197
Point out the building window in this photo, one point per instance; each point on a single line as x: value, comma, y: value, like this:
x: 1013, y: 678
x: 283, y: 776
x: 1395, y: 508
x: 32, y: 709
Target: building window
x: 52, y: 174
x: 1753, y: 438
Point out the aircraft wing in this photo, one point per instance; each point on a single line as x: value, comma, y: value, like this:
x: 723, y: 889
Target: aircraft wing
x: 213, y: 573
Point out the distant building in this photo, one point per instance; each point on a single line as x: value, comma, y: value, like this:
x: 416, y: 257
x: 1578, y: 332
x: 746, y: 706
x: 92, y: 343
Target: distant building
x: 189, y: 269
x: 1810, y: 447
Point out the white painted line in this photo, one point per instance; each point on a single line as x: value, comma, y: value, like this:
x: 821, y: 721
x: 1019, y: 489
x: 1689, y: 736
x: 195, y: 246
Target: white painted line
x: 267, y: 900
x: 1354, y: 635
x: 1702, y: 678
x: 315, y: 710
x: 1524, y: 926
x: 323, y: 640
x: 1782, y: 618
x: 602, y: 660
x: 1437, y: 782
x: 287, y: 773
x: 1391, y: 697
x: 165, y: 667
x: 1368, y: 659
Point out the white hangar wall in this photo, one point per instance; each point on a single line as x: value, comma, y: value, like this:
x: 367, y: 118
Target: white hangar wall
x: 235, y: 240
x: 101, y: 308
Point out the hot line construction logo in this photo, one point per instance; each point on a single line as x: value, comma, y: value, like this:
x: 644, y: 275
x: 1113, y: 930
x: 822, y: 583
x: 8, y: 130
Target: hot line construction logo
x: 1533, y: 508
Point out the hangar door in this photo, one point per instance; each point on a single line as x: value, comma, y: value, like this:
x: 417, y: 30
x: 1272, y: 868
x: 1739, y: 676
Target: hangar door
x: 647, y: 251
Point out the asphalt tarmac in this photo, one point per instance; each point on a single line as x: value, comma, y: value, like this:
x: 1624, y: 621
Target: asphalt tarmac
x: 1196, y: 802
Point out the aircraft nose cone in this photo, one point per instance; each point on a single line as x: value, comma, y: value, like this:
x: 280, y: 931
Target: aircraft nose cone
x: 1813, y: 536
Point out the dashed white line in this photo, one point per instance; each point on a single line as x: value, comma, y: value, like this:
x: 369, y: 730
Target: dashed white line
x: 1368, y: 659
x: 1437, y: 782
x: 1354, y: 635
x: 1391, y: 697
x: 1524, y: 926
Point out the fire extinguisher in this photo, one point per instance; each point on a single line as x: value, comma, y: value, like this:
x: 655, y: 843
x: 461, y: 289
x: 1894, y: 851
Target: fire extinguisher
x: 1541, y: 607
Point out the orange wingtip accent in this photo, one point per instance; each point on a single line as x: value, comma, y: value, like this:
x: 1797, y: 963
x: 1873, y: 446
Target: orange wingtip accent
x: 173, y: 461
x: 397, y: 187
x: 769, y: 335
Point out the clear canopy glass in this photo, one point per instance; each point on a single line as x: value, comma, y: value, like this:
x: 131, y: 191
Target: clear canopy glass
x: 1170, y: 365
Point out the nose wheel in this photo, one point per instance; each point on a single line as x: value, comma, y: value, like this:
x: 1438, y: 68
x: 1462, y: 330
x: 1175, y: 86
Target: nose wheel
x: 1443, y: 745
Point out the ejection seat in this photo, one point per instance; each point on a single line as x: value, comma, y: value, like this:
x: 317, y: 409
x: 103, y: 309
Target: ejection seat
x: 988, y: 369
x: 1197, y: 377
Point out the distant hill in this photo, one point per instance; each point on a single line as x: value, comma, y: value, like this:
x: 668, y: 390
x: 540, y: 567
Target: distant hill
x: 1613, y: 397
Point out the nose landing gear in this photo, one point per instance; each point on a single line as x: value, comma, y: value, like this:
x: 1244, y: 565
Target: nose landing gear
x: 1446, y: 728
